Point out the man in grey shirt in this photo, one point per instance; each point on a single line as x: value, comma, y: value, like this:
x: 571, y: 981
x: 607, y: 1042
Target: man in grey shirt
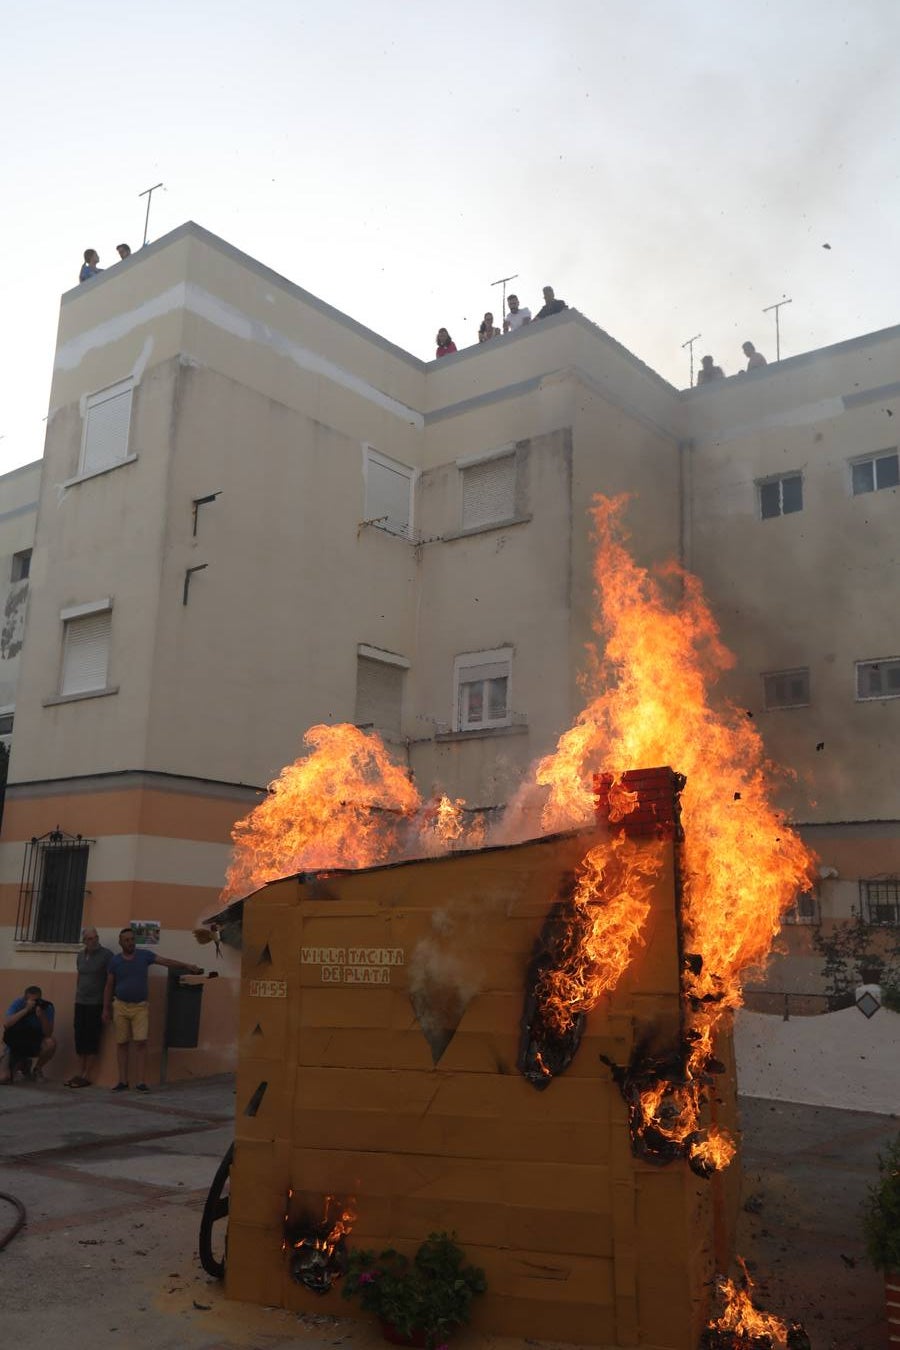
x: 92, y: 964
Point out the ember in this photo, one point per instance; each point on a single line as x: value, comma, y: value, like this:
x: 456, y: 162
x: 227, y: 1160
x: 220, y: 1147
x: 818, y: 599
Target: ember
x: 317, y: 1248
x: 743, y: 1327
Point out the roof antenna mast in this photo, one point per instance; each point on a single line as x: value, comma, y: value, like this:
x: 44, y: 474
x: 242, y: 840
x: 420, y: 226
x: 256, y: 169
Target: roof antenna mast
x: 502, y: 282
x: 690, y: 345
x: 148, y: 193
x: 776, y: 308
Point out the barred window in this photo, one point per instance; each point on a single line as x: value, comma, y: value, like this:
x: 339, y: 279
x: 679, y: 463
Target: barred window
x: 51, y: 896
x: 879, y: 901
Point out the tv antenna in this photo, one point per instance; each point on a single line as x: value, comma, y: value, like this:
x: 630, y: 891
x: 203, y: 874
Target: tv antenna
x: 148, y: 193
x: 690, y: 345
x: 502, y: 282
x: 776, y: 308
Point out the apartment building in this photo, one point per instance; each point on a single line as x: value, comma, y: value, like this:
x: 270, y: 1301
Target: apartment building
x: 255, y: 514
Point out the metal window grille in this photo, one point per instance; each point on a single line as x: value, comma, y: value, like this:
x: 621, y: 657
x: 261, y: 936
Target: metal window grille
x: 51, y: 896
x: 879, y: 901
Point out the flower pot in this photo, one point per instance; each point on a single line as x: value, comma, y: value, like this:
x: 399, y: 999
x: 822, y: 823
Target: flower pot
x: 892, y: 1305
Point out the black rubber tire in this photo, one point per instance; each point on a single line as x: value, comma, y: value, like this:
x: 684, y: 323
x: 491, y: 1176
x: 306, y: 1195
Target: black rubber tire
x: 216, y: 1208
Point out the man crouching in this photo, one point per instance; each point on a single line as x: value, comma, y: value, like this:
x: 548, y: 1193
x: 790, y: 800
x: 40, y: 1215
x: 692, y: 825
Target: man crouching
x: 27, y: 1036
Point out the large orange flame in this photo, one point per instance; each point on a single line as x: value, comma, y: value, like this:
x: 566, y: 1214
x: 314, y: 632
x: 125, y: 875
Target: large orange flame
x: 342, y: 805
x: 742, y: 865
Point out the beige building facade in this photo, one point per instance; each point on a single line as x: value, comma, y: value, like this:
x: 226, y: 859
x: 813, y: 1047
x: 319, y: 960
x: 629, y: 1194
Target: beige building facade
x: 254, y: 515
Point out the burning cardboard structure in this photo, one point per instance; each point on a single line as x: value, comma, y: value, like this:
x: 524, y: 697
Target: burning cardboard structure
x: 384, y: 1078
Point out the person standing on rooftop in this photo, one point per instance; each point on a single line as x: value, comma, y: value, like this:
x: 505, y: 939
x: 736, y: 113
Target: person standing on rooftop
x: 487, y: 329
x: 551, y: 305
x: 445, y: 343
x: 755, y: 359
x: 708, y: 372
x: 124, y: 251
x: 517, y: 316
x: 90, y: 266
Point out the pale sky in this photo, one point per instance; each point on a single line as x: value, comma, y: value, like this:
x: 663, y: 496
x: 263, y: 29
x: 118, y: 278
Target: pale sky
x: 669, y: 167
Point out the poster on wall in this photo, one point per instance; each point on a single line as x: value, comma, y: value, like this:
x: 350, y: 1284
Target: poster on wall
x: 146, y: 932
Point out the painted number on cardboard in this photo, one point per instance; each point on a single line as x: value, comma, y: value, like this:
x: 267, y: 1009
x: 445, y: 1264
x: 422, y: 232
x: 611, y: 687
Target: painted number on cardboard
x: 353, y: 965
x: 268, y: 988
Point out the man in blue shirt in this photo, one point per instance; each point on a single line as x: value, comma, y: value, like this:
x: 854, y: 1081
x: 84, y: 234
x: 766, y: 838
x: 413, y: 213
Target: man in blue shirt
x: 27, y: 1036
x: 91, y: 265
x: 126, y: 1002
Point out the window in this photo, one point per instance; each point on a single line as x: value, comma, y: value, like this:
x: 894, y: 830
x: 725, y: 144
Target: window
x: 488, y: 491
x: 879, y: 901
x: 780, y: 496
x: 51, y: 897
x: 21, y: 565
x: 878, y: 679
x: 787, y: 688
x: 86, y: 634
x: 874, y: 473
x: 806, y: 910
x: 379, y: 690
x: 482, y: 690
x: 389, y: 493
x: 6, y: 724
x: 106, y: 423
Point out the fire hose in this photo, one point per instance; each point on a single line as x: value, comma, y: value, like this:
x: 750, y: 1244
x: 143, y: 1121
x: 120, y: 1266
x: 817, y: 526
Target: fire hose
x: 20, y: 1221
x: 216, y: 1208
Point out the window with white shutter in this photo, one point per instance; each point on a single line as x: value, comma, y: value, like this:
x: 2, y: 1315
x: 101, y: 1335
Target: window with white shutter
x: 106, y: 424
x: 379, y: 695
x: 482, y: 690
x: 389, y: 486
x: 85, y: 664
x: 488, y: 492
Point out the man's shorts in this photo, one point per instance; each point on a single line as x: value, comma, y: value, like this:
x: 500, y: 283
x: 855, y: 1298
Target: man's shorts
x: 131, y: 1021
x: 23, y: 1042
x: 88, y: 1024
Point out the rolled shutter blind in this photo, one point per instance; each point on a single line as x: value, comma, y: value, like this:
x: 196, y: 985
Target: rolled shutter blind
x: 86, y: 653
x: 379, y: 694
x: 489, y: 491
x: 106, y: 435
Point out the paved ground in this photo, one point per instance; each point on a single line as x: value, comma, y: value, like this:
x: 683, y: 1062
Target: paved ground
x: 114, y: 1188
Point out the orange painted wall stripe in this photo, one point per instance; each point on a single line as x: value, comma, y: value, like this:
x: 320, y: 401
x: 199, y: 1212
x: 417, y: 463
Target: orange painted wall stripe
x: 127, y: 810
x: 110, y: 904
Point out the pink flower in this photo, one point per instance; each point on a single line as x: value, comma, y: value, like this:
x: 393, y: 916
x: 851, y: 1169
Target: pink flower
x: 368, y: 1277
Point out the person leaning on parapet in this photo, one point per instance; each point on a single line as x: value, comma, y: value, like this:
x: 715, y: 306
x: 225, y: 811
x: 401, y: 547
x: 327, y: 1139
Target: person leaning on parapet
x: 708, y: 372
x: 487, y: 329
x: 27, y: 1036
x: 517, y: 316
x: 92, y: 965
x: 89, y: 267
x: 124, y: 251
x: 445, y: 343
x: 551, y: 305
x: 126, y: 1003
x: 755, y: 359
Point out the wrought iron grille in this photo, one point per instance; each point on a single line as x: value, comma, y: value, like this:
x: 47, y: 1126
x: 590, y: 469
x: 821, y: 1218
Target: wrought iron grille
x: 51, y: 896
x: 879, y: 901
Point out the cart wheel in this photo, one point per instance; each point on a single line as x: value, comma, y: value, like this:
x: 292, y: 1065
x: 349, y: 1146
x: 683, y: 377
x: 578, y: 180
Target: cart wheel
x: 216, y: 1209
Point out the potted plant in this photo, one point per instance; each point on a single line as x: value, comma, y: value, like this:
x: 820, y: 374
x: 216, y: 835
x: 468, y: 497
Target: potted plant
x: 881, y: 1223
x: 421, y: 1301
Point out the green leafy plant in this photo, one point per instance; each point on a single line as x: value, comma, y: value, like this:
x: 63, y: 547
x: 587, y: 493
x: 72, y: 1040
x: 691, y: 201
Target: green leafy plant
x: 881, y: 1215
x: 427, y: 1297
x: 856, y: 952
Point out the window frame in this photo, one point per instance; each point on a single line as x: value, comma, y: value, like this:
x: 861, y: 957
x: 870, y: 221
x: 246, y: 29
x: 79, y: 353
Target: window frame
x: 784, y: 674
x: 72, y: 615
x: 778, y: 478
x: 94, y: 400
x: 874, y: 661
x: 41, y: 920
x: 20, y: 568
x: 476, y: 461
x: 867, y: 904
x: 873, y: 458
x: 469, y: 661
x: 371, y: 455
x: 394, y: 661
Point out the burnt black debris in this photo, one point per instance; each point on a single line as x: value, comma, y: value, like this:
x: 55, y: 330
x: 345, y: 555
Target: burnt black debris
x: 549, y: 1043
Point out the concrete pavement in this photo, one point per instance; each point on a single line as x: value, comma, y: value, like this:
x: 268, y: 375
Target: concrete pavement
x: 114, y: 1187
